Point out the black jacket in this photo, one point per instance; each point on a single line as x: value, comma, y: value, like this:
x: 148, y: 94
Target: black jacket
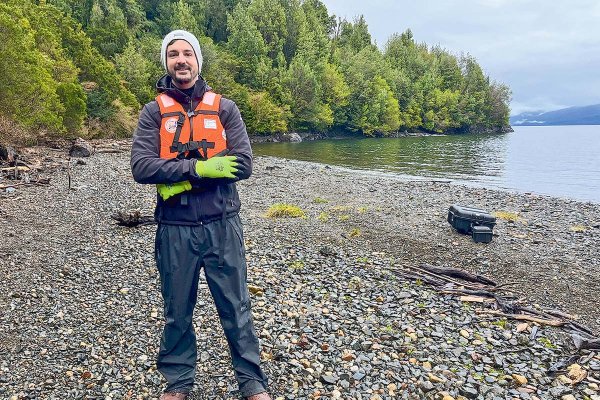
x: 209, y: 197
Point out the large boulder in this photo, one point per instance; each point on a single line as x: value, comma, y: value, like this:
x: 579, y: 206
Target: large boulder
x: 81, y: 148
x: 293, y: 137
x: 8, y: 153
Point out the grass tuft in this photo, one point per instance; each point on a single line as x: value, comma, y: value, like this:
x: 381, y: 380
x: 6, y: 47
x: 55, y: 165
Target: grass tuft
x: 578, y: 228
x: 281, y: 210
x: 508, y: 216
x: 354, y: 232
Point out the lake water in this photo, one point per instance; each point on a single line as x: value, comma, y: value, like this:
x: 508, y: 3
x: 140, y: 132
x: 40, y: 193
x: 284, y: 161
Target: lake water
x: 561, y: 161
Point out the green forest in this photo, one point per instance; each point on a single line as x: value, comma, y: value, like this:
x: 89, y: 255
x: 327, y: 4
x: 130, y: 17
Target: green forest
x: 85, y: 67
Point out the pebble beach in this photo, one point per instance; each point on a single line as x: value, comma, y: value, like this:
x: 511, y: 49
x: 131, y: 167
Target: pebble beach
x: 81, y: 313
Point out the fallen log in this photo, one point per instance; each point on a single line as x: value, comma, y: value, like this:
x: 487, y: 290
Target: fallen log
x: 480, y: 292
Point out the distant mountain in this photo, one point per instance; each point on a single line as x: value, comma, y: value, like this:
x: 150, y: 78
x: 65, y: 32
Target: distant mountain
x: 587, y: 115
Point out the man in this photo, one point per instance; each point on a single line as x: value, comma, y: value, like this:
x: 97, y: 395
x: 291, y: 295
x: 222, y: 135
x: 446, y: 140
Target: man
x: 193, y: 145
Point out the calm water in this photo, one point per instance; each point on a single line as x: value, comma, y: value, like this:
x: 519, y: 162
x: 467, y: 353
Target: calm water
x: 562, y: 161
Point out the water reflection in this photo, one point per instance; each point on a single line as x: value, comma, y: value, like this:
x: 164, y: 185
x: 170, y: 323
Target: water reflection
x: 559, y: 161
x: 470, y: 158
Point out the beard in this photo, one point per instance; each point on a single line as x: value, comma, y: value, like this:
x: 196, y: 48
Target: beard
x: 182, y: 74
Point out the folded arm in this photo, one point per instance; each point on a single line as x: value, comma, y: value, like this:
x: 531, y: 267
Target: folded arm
x: 148, y: 167
x: 146, y: 164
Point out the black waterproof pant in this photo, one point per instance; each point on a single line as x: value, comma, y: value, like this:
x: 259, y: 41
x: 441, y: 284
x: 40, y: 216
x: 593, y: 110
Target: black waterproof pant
x: 180, y: 253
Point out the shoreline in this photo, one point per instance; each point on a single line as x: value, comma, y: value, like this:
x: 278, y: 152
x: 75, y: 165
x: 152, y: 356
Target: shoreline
x: 81, y: 310
x: 311, y: 136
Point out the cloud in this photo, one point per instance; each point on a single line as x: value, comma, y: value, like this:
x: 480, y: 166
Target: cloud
x: 548, y: 54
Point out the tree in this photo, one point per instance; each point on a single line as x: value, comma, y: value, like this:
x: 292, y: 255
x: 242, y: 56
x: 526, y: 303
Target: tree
x: 410, y: 101
x: 447, y: 68
x: 136, y: 70
x: 181, y: 14
x: 264, y: 116
x: 73, y: 99
x: 355, y: 36
x: 296, y: 26
x: 108, y: 27
x: 497, y: 109
x: 318, y: 9
x: 215, y: 18
x: 32, y: 101
x: 269, y: 19
x: 373, y: 109
x: 336, y: 93
x: 247, y: 45
x: 313, y: 43
x: 473, y: 93
x: 403, y: 53
x: 309, y: 112
x: 380, y: 113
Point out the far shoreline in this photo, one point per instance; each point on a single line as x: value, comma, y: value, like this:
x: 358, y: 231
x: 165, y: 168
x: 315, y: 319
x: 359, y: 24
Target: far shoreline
x: 295, y: 137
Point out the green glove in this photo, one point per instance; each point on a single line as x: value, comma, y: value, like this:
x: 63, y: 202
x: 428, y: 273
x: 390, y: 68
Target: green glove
x: 217, y: 167
x: 168, y: 190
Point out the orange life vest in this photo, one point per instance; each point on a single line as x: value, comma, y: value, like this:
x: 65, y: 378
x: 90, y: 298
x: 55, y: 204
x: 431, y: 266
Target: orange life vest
x: 199, y: 132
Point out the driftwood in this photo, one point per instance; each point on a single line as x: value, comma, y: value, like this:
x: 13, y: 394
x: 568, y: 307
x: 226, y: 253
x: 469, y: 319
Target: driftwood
x: 115, y: 151
x: 20, y: 168
x: 474, y: 288
x: 582, y: 342
x: 132, y: 218
x: 436, y: 279
x: 525, y: 317
x: 39, y: 182
x: 458, y: 273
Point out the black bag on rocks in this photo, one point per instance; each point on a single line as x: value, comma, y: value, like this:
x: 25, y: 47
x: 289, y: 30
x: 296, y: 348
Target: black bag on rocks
x: 481, y: 234
x: 463, y: 219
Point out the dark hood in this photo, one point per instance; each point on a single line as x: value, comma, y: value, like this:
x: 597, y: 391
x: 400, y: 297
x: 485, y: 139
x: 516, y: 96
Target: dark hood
x: 165, y: 85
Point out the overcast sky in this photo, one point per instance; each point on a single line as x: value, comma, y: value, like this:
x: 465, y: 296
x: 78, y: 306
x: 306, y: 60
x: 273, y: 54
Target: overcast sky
x: 547, y: 52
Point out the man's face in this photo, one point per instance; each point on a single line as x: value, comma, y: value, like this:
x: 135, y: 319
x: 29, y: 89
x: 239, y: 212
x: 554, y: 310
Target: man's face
x: 182, y: 65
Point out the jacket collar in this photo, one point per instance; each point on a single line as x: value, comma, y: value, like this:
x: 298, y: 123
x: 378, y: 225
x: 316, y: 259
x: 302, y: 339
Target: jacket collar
x: 165, y: 85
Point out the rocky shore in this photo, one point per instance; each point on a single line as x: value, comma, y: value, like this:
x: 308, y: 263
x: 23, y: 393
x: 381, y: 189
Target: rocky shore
x: 80, y: 310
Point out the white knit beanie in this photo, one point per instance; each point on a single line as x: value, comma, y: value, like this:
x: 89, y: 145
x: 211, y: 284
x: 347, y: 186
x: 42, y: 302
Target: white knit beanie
x: 180, y: 35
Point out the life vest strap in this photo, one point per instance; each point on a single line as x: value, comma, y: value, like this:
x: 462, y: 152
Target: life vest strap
x: 171, y: 114
x: 180, y: 122
x: 191, y: 114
